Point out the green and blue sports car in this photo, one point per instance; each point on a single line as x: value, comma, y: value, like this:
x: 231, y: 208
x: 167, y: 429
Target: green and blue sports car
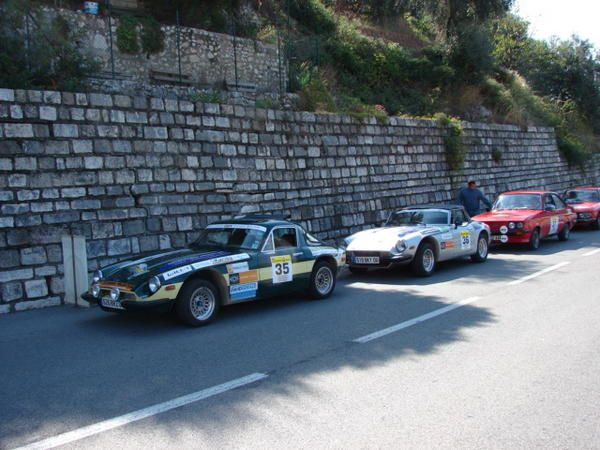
x: 248, y: 258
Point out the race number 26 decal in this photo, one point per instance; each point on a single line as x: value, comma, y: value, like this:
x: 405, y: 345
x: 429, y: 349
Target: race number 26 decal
x: 553, y: 225
x: 465, y: 240
x: 282, y: 269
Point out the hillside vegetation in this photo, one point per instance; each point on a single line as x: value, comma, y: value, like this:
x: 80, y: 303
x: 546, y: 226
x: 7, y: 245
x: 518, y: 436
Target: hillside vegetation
x: 468, y: 59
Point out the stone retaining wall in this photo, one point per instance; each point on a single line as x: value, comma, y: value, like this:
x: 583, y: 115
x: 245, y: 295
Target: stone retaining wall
x: 136, y: 174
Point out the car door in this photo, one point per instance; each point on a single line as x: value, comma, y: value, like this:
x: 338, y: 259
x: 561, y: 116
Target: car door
x: 463, y: 233
x: 551, y: 221
x: 278, y: 262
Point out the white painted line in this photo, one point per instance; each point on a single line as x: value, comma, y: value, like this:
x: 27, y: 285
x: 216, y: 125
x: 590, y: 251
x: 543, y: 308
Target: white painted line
x: 415, y: 321
x: 592, y: 253
x: 537, y: 274
x: 140, y: 414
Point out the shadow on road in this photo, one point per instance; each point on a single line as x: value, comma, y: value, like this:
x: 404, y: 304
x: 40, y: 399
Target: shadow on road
x: 89, y: 366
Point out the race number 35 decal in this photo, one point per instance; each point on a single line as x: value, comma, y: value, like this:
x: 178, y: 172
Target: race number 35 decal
x: 282, y: 269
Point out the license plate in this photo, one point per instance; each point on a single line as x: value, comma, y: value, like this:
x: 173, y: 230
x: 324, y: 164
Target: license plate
x: 366, y: 259
x: 110, y: 303
x: 496, y: 238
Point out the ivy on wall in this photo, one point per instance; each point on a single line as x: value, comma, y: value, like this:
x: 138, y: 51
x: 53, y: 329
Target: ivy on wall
x: 143, y: 34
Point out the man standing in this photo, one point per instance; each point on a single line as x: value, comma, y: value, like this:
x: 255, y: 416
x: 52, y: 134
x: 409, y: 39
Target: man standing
x: 471, y: 198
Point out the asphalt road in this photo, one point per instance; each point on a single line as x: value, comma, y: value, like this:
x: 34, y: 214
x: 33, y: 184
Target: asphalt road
x: 515, y: 366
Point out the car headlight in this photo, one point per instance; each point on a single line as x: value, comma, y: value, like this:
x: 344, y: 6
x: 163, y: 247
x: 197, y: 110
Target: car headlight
x: 97, y: 276
x: 511, y: 225
x: 96, y: 290
x: 154, y: 284
x: 400, y: 247
x: 115, y: 293
x: 520, y: 225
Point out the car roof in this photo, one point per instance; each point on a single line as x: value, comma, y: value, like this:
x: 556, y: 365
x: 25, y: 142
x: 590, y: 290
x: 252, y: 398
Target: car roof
x: 266, y: 220
x: 448, y: 207
x: 532, y: 191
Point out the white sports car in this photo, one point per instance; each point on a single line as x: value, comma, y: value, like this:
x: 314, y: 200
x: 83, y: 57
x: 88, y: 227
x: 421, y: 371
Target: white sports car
x: 420, y: 236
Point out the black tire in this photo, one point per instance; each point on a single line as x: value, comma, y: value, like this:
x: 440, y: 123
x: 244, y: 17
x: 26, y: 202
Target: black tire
x: 481, y: 255
x: 422, y: 264
x: 565, y: 232
x: 322, y: 280
x: 357, y: 270
x: 596, y: 224
x: 534, y: 240
x: 198, y: 303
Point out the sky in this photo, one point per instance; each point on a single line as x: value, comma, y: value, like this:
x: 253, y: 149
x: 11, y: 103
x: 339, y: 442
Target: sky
x: 562, y: 18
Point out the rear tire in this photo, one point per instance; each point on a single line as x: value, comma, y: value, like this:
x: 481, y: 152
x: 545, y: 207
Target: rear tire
x: 565, y: 232
x: 322, y: 280
x: 198, y: 303
x: 358, y: 270
x: 424, y: 262
x: 482, y: 249
x: 534, y: 240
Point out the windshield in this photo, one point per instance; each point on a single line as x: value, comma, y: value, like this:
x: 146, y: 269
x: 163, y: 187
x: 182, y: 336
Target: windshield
x: 582, y: 196
x: 417, y: 217
x: 230, y: 238
x: 518, y: 201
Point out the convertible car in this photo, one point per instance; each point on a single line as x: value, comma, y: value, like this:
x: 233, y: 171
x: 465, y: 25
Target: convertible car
x: 585, y: 201
x: 240, y: 260
x: 419, y: 236
x: 526, y: 217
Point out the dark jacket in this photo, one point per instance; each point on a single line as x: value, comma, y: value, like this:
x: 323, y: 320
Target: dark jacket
x: 471, y: 199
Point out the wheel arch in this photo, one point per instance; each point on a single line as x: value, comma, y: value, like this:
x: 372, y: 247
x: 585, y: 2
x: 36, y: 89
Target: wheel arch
x: 214, y: 277
x: 433, y: 242
x: 327, y: 258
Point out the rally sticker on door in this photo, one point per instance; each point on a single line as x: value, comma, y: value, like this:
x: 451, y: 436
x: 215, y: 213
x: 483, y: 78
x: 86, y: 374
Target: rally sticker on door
x: 553, y: 225
x: 282, y: 269
x: 465, y: 240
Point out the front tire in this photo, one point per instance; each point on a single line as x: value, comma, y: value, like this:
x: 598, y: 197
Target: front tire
x: 198, y: 303
x: 425, y: 261
x: 534, y: 240
x: 322, y: 280
x: 482, y: 249
x: 596, y: 224
x: 565, y: 232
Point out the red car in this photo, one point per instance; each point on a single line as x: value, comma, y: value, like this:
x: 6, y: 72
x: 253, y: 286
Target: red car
x: 526, y: 217
x: 585, y: 201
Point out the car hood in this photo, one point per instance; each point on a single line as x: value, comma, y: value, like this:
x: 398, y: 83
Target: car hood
x: 384, y: 239
x: 143, y: 267
x: 585, y: 206
x: 508, y: 215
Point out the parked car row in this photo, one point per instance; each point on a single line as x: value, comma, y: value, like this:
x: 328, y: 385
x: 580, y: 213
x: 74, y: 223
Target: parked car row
x: 259, y: 256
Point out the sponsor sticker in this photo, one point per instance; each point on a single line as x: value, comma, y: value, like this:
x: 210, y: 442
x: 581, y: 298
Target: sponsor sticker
x: 222, y: 260
x: 465, y: 240
x: 176, y: 272
x: 250, y: 276
x: 243, y: 291
x: 282, y: 269
x: 447, y: 245
x: 141, y: 268
x: 237, y: 267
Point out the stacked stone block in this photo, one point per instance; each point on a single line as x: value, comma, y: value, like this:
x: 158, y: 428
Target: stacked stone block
x: 137, y: 174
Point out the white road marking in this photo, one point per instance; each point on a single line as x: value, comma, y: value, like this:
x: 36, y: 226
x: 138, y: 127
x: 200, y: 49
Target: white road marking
x: 592, y: 253
x: 537, y: 274
x: 144, y: 413
x: 415, y: 321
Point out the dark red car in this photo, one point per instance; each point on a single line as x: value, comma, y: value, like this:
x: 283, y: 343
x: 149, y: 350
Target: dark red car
x: 585, y: 201
x: 526, y: 217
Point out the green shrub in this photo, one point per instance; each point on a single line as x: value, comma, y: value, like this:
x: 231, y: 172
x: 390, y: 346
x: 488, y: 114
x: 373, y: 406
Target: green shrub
x: 316, y: 96
x: 207, y: 97
x: 127, y: 35
x: 455, y: 150
x: 152, y: 36
x: 313, y: 15
x: 497, y: 155
x: 267, y: 103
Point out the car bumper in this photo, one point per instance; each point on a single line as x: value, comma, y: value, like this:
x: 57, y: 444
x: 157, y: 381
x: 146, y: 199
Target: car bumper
x: 521, y: 237
x: 159, y: 304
